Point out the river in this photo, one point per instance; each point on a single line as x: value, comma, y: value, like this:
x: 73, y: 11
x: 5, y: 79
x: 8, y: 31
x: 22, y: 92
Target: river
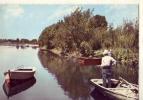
x: 56, y: 78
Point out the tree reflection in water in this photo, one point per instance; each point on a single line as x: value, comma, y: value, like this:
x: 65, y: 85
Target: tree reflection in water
x: 74, y: 78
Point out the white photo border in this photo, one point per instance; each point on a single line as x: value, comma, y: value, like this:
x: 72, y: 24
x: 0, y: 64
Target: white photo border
x: 139, y: 2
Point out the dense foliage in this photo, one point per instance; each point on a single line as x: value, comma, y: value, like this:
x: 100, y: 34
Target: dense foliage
x: 84, y: 32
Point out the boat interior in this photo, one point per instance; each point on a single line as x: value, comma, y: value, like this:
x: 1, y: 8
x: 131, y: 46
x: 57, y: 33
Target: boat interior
x: 20, y: 69
x: 114, y: 83
x: 120, y: 85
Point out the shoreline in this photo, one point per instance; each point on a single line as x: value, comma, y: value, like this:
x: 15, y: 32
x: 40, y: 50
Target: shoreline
x: 15, y: 44
x: 22, y: 45
x: 77, y: 55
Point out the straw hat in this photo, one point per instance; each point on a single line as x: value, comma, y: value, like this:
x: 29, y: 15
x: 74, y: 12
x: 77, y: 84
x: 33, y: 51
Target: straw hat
x: 105, y: 52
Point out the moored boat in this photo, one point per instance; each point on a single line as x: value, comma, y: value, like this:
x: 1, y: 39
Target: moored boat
x: 35, y: 46
x: 89, y: 60
x: 20, y: 73
x: 44, y: 48
x: 120, y: 90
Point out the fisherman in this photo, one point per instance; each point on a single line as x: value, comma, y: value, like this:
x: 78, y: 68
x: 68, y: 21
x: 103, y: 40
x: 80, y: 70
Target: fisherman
x: 106, y: 64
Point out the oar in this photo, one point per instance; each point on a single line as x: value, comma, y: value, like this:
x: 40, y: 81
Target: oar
x: 133, y: 88
x: 130, y: 84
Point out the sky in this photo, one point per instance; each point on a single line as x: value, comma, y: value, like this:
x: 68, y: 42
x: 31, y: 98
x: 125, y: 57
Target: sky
x: 28, y: 21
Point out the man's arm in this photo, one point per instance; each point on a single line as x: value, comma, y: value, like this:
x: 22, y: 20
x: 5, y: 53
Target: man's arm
x: 114, y: 61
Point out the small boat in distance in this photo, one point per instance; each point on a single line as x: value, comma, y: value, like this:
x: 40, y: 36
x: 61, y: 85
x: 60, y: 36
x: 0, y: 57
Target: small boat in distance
x: 120, y: 90
x: 44, y: 48
x: 20, y: 73
x: 89, y: 60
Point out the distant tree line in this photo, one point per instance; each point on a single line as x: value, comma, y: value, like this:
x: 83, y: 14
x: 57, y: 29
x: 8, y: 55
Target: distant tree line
x: 33, y: 41
x: 84, y: 32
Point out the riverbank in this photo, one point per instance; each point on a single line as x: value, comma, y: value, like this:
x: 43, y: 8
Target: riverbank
x: 120, y: 54
x: 70, y: 54
x: 19, y: 44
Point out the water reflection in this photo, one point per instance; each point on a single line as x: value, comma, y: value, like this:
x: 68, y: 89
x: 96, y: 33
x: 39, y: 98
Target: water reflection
x: 98, y: 96
x: 74, y: 78
x: 17, y: 86
x: 17, y: 46
x: 70, y: 76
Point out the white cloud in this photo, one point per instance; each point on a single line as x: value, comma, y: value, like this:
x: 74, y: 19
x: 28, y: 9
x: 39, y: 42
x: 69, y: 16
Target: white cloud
x: 12, y: 11
x: 62, y: 11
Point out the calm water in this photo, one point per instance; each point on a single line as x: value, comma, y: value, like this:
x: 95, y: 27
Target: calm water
x: 56, y: 78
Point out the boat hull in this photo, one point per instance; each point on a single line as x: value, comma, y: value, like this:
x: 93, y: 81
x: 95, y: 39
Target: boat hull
x: 89, y: 61
x: 114, y: 93
x: 114, y: 96
x: 22, y: 74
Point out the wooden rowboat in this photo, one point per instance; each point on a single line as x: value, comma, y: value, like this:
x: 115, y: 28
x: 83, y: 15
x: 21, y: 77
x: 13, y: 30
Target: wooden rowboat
x: 20, y: 73
x: 44, y: 48
x: 121, y: 90
x: 89, y: 61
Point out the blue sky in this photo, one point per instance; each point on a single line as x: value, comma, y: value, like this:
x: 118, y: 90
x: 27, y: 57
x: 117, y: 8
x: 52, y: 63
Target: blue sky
x: 28, y: 21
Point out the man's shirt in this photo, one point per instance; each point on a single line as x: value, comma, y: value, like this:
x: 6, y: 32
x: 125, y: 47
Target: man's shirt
x: 107, y: 61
